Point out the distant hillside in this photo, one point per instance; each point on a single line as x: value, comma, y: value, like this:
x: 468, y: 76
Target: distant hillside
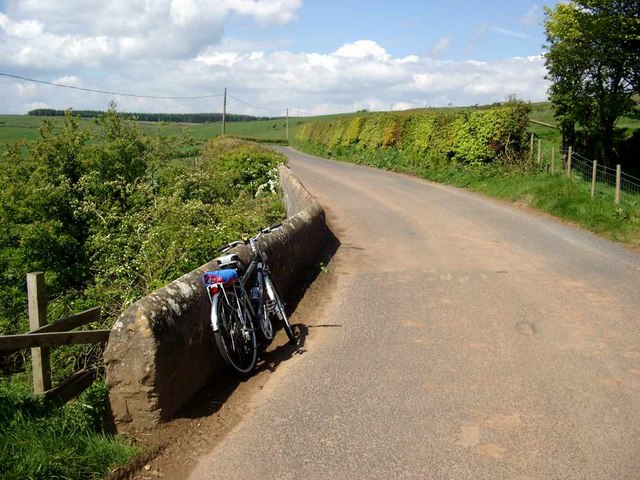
x: 154, y: 117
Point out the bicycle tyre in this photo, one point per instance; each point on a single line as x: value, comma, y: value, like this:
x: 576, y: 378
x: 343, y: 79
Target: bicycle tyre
x: 264, y: 319
x: 235, y: 341
x: 279, y: 308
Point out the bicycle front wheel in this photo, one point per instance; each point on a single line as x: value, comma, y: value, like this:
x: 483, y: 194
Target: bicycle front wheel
x: 236, y: 340
x: 277, y: 306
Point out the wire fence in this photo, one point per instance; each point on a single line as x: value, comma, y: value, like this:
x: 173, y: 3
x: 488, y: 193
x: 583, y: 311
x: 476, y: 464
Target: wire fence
x: 604, y: 180
x: 596, y: 173
x: 630, y: 184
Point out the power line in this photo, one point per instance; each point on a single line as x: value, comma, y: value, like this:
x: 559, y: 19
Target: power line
x: 299, y: 111
x: 157, y: 97
x: 255, y: 106
x: 269, y: 109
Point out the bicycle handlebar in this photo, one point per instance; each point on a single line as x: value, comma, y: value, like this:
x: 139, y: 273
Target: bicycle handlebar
x: 271, y: 228
x: 265, y: 230
x: 229, y: 246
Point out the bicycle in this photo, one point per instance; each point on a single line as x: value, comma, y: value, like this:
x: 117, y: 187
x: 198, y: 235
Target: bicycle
x: 236, y: 311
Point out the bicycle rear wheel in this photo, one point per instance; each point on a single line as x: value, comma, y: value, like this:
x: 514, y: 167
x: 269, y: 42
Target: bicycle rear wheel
x: 236, y: 341
x: 278, y: 308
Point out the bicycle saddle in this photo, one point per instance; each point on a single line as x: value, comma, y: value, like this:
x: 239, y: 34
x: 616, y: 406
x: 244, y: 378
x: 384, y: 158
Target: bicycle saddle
x: 229, y: 262
x: 217, y: 277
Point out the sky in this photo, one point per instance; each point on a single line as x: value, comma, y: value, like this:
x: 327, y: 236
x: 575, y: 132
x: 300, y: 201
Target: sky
x: 310, y: 56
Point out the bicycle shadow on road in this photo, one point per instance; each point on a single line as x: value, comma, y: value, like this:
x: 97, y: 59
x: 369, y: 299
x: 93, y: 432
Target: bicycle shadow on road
x: 272, y: 358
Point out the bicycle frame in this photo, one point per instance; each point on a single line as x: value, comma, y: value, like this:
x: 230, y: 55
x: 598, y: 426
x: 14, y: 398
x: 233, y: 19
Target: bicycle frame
x: 240, y: 289
x: 244, y: 304
x: 258, y: 265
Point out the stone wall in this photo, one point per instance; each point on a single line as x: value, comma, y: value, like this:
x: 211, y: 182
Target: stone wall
x: 161, y: 349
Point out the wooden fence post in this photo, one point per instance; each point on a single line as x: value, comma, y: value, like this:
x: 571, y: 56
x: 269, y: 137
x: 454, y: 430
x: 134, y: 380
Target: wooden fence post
x: 531, y: 151
x: 37, y: 296
x: 539, y: 152
x: 618, y: 181
x: 593, y: 178
x: 569, y: 162
x: 553, y: 160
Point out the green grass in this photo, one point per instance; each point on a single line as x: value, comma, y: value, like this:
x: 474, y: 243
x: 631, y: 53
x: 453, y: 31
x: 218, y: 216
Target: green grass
x: 25, y: 128
x: 543, y: 112
x: 569, y: 199
x: 39, y: 441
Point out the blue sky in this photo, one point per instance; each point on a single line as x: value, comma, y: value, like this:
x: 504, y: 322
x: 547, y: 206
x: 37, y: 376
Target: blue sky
x: 479, y: 30
x: 324, y: 56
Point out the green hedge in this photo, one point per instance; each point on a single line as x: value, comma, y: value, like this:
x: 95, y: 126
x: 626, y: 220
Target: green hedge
x: 111, y: 214
x: 429, y: 137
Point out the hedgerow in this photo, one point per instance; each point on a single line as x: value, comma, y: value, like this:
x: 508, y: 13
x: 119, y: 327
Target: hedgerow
x: 110, y: 215
x: 426, y: 138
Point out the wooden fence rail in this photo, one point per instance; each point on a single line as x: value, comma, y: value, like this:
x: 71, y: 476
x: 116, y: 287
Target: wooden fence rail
x: 52, y: 339
x: 42, y: 336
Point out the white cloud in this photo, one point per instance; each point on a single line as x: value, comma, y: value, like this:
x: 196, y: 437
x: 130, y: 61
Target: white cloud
x: 509, y: 33
x: 36, y: 105
x: 220, y: 59
x: 318, y: 83
x: 362, y: 49
x: 75, y: 32
x: 409, y: 59
x: 177, y: 48
x: 68, y: 80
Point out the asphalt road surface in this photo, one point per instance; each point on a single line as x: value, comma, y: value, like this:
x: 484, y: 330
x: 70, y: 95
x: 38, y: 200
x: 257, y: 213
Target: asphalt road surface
x: 460, y: 338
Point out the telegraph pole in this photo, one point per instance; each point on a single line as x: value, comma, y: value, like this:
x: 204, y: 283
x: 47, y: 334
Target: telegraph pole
x: 224, y: 110
x: 287, y: 125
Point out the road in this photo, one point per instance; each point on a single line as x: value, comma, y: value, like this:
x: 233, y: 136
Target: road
x: 459, y: 338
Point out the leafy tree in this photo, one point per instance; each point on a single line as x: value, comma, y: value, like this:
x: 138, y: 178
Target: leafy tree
x: 593, y: 62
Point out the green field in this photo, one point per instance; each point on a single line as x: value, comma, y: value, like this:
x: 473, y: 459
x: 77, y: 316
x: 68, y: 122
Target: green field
x: 25, y: 128
x: 542, y: 112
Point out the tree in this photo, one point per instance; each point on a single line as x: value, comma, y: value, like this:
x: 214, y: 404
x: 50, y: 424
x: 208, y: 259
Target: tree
x: 593, y: 62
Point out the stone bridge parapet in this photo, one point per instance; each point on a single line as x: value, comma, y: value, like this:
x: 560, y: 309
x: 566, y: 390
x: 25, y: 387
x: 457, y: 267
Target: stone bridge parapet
x: 161, y: 350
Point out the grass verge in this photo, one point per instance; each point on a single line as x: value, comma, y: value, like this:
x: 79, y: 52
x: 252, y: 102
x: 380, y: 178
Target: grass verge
x: 40, y: 441
x: 568, y: 199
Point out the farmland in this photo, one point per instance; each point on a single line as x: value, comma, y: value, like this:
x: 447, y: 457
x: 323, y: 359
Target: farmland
x: 25, y: 128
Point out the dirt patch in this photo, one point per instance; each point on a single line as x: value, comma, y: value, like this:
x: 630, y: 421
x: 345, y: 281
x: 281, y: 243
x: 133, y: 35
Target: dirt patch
x: 172, y: 450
